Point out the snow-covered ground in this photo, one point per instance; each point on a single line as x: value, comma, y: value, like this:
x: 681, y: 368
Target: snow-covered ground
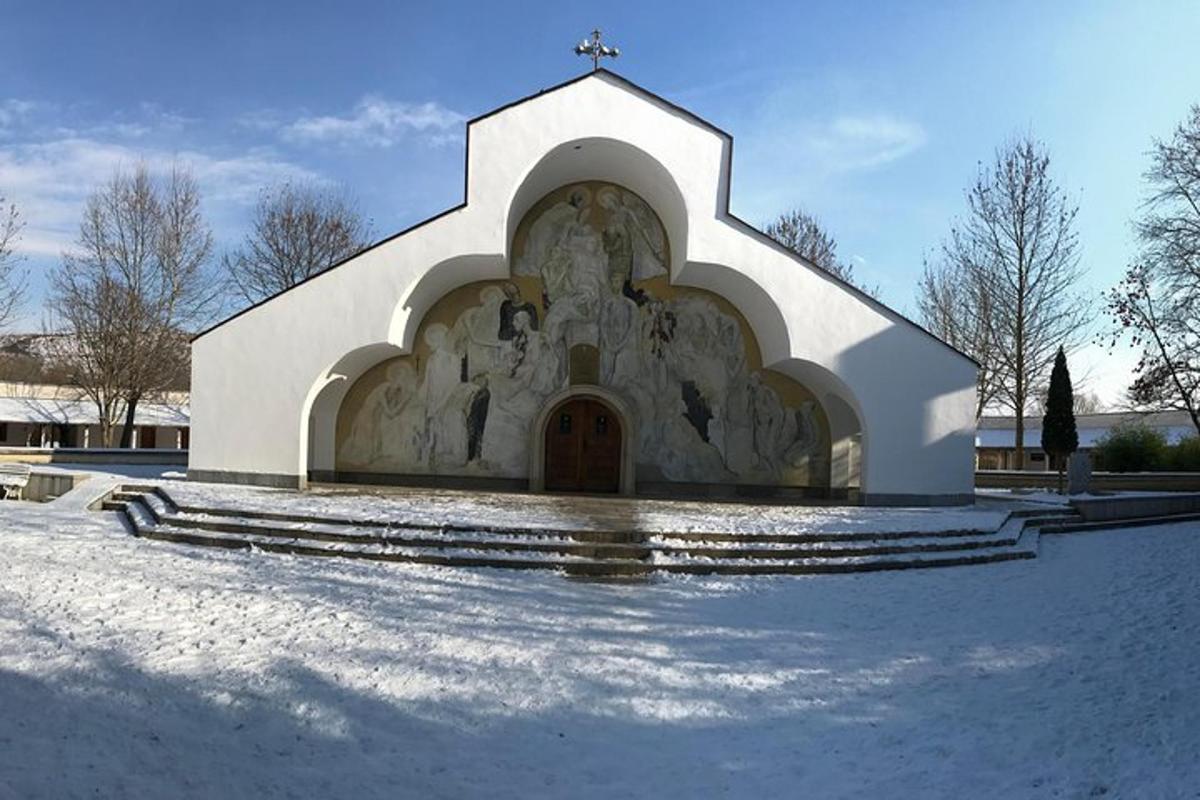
x: 131, y: 668
x: 1040, y: 497
x: 565, y: 512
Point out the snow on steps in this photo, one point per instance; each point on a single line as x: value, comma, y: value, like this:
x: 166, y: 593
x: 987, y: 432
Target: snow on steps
x: 150, y: 512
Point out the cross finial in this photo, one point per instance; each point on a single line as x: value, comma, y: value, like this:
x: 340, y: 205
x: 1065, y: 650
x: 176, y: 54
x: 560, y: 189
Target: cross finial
x: 592, y: 47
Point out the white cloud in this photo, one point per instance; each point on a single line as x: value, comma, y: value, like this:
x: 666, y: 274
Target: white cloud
x: 264, y: 119
x: 50, y: 181
x: 862, y: 142
x: 22, y: 120
x: 789, y: 155
x: 14, y: 113
x: 375, y: 122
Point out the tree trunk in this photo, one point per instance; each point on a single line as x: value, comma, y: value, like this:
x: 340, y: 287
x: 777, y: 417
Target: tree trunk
x: 127, y: 431
x: 1019, y: 444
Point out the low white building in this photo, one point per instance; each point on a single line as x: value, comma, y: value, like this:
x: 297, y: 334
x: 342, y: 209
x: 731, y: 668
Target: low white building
x: 42, y: 415
x: 590, y: 318
x: 996, y: 444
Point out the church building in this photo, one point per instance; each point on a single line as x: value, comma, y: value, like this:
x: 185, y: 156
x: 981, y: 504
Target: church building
x: 591, y: 318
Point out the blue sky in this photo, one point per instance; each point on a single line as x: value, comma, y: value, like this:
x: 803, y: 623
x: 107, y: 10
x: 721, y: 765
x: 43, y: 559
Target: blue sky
x: 872, y: 116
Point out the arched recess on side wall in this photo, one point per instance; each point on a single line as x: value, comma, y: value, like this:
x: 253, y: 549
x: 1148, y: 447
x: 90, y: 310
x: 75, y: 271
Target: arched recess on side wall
x: 612, y: 161
x: 437, y: 282
x: 848, y: 430
x: 758, y: 307
x: 319, y: 417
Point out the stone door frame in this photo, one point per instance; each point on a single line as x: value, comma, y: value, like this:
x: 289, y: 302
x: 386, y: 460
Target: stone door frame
x: 537, y: 445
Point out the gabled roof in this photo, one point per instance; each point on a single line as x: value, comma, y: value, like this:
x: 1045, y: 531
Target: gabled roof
x: 628, y: 85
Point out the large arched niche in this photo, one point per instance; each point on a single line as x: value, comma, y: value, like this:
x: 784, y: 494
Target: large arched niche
x: 617, y: 162
x: 588, y: 301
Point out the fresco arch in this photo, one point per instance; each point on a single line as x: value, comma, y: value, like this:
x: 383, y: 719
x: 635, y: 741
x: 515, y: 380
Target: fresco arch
x: 587, y: 300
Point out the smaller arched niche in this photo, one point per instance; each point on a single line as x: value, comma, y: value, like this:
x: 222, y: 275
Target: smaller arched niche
x: 588, y: 303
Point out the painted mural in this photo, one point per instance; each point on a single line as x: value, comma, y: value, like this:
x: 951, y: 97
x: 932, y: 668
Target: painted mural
x: 588, y: 302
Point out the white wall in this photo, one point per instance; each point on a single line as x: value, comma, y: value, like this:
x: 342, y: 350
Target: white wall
x: 255, y: 378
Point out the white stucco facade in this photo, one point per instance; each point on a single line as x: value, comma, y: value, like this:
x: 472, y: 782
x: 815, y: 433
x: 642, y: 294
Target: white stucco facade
x: 267, y: 384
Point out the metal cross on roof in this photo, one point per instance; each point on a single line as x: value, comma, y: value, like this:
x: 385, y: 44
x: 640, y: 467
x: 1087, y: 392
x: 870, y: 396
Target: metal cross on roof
x: 595, y: 49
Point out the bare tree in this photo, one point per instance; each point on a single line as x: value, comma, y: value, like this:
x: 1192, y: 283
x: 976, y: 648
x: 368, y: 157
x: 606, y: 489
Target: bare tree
x: 1088, y: 403
x: 1157, y: 304
x: 956, y: 306
x: 296, y: 232
x: 125, y: 302
x: 1018, y: 248
x: 1084, y: 403
x: 801, y: 232
x: 12, y: 281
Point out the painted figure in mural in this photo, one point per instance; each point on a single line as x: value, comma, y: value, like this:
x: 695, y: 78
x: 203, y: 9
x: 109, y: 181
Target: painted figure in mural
x: 633, y: 239
x: 536, y: 362
x: 737, y: 427
x: 445, y: 431
x: 476, y: 406
x: 618, y: 324
x: 806, y: 438
x: 516, y: 396
x: 478, y: 328
x: 551, y: 228
x: 509, y: 308
x: 370, y: 436
x: 576, y: 288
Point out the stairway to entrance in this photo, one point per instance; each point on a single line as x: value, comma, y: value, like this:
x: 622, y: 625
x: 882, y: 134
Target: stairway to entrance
x: 151, y: 512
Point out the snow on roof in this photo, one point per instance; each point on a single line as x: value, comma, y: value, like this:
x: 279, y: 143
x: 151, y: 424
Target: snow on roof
x: 42, y: 410
x: 1000, y: 431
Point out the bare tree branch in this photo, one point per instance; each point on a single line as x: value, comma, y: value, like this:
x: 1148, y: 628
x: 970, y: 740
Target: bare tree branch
x: 12, y: 280
x: 1156, y: 307
x: 800, y: 232
x: 957, y: 307
x: 297, y: 231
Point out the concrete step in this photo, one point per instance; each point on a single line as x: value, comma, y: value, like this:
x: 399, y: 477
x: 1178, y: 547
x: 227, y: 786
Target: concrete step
x: 152, y: 515
x: 1078, y: 525
x: 758, y: 547
x: 481, y: 540
x: 582, y: 566
x: 583, y: 535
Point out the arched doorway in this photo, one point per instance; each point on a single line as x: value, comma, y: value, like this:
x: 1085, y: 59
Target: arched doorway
x: 583, y: 441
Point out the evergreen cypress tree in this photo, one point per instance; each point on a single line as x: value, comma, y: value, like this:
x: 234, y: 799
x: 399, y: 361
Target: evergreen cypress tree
x: 1059, y: 437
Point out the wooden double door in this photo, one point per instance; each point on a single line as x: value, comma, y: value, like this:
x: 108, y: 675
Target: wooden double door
x: 583, y: 447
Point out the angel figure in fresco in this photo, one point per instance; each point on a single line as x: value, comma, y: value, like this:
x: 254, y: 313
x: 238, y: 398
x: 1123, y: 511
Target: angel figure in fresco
x: 550, y: 228
x: 633, y: 239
